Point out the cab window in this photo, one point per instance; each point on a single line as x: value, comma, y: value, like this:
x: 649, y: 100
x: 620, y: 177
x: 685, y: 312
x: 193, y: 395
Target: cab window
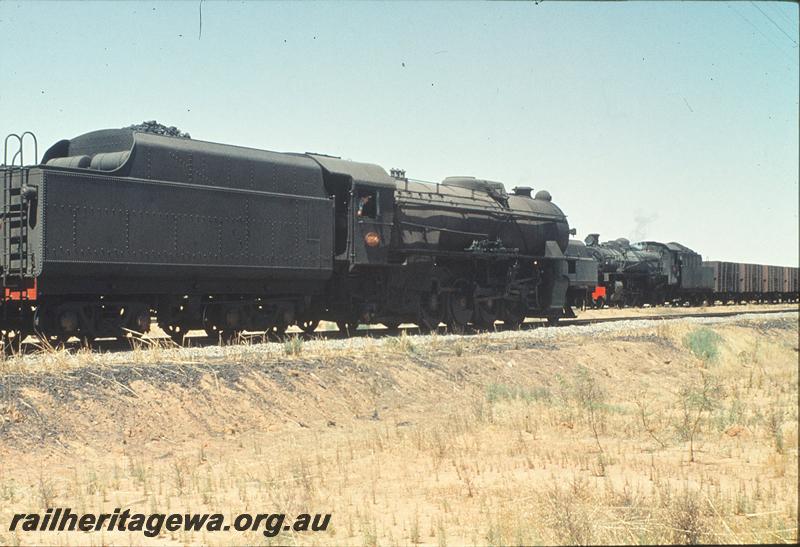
x: 366, y: 204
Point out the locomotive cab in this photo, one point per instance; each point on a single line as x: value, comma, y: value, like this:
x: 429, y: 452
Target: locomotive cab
x: 363, y: 196
x: 370, y: 232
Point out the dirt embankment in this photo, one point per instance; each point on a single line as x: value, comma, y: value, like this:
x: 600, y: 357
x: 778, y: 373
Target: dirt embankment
x: 670, y: 432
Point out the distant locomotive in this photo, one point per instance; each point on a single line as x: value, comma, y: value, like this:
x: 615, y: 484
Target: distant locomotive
x: 656, y: 273
x: 649, y: 272
x: 116, y: 226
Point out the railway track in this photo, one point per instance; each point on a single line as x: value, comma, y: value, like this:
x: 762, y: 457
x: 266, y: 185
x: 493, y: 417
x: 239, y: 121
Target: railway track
x: 200, y: 339
x: 539, y: 323
x: 663, y: 316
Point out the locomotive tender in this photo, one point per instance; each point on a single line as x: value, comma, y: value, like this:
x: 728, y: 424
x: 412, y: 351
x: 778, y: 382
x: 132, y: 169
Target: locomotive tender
x: 115, y: 226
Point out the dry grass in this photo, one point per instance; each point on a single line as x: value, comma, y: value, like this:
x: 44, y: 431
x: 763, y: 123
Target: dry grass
x: 660, y: 435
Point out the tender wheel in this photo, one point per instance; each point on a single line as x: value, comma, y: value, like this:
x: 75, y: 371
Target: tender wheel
x: 223, y: 322
x: 513, y: 314
x: 392, y: 326
x: 141, y: 321
x: 552, y: 320
x: 460, y: 307
x: 308, y: 326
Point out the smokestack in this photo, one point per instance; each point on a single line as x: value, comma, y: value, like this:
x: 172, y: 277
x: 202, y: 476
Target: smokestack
x: 522, y: 191
x: 399, y: 174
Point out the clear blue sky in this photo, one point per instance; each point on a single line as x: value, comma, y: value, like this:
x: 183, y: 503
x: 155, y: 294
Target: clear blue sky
x: 665, y: 121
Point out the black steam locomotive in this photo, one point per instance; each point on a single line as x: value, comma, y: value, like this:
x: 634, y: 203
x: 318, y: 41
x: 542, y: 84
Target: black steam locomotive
x: 648, y: 272
x: 116, y: 226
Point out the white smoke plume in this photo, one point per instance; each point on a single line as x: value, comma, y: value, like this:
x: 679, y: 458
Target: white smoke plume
x: 641, y: 223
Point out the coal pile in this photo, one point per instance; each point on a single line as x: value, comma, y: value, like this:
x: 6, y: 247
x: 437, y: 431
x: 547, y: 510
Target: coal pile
x: 159, y: 129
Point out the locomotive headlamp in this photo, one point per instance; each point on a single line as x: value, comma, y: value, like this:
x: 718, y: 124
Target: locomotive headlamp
x: 372, y: 239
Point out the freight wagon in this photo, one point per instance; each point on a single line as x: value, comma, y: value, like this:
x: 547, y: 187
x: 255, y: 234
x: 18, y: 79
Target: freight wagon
x: 739, y: 282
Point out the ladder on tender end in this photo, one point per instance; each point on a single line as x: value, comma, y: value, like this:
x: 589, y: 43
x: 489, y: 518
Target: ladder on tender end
x: 14, y: 221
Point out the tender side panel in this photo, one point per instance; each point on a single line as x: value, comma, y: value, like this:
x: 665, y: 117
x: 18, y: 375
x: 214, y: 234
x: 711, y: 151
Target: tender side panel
x: 582, y: 272
x: 697, y: 277
x: 117, y: 226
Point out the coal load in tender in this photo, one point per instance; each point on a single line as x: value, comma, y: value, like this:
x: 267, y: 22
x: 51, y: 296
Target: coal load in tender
x: 159, y: 129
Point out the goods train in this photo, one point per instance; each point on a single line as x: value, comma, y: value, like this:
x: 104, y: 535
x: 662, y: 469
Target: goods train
x: 656, y: 273
x: 116, y: 226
